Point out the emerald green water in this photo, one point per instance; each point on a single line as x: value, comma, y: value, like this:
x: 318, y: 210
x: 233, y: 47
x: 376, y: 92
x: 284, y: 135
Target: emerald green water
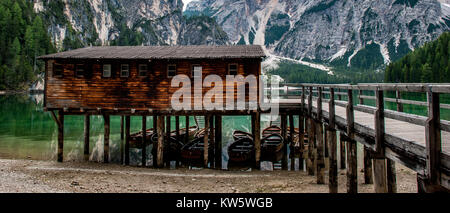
x: 27, y: 132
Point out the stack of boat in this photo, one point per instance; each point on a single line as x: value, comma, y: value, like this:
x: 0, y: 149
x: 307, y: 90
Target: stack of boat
x: 241, y: 150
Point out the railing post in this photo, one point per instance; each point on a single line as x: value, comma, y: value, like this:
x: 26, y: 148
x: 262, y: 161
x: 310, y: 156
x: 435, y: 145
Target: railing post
x: 368, y: 177
x: 352, y: 173
x: 284, y: 160
x: 379, y: 162
x: 144, y: 141
x: 398, y: 96
x: 319, y: 140
x: 433, y: 138
x: 332, y: 143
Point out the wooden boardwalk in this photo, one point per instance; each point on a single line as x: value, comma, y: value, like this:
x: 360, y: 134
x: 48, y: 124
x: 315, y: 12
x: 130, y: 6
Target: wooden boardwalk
x: 421, y: 143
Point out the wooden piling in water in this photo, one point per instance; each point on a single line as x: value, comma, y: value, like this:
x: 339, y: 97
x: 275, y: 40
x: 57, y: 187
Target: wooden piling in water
x: 218, y: 142
x: 106, y: 118
x: 177, y: 127
x: 291, y: 134
x: 87, y: 130
x: 144, y: 141
x: 127, y: 140
x: 121, y: 127
x: 155, y: 144
x: 391, y: 176
x: 320, y: 159
x: 168, y: 135
x: 60, y: 135
x: 160, y: 149
x: 301, y: 132
x: 332, y: 146
x: 320, y: 169
x: 212, y: 155
x: 352, y: 170
x: 257, y: 140
x: 368, y: 174
x: 311, y: 159
x: 205, y: 142
x: 284, y: 160
x: 342, y: 153
x: 380, y: 181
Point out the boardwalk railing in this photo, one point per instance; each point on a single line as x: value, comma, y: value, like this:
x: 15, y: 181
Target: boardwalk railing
x: 420, y: 143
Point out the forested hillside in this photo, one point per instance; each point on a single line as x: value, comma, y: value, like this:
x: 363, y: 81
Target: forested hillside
x: 23, y: 37
x: 428, y: 64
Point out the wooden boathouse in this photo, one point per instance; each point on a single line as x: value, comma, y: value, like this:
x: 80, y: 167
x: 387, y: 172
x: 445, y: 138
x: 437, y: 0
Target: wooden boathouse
x: 135, y: 81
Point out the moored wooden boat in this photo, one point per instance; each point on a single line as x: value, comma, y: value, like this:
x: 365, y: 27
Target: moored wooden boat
x: 272, y: 147
x: 271, y: 130
x: 136, y: 138
x: 193, y: 152
x: 241, y: 150
x: 237, y: 134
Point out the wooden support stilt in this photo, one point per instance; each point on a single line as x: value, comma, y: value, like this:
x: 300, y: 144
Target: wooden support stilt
x: 60, y: 136
x: 160, y: 149
x: 106, y: 118
x: 218, y: 142
x: 311, y: 159
x: 144, y: 141
x: 352, y: 170
x: 333, y: 170
x: 391, y: 176
x: 122, y: 118
x: 332, y: 143
x: 167, y: 137
x: 122, y: 137
x: 155, y: 144
x: 368, y: 176
x: 320, y: 169
x: 284, y: 160
x: 257, y: 140
x: 291, y: 134
x: 186, y: 137
x: 342, y: 153
x: 87, y: 129
x: 177, y: 127
x: 206, y: 142
x: 301, y: 129
x: 127, y: 140
x: 212, y: 155
x: 380, y: 180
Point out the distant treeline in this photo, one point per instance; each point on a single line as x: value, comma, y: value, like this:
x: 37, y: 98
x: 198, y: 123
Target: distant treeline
x: 297, y: 73
x: 23, y: 36
x: 428, y: 64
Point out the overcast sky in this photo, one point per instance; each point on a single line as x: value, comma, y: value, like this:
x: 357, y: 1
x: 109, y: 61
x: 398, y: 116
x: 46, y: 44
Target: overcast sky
x: 185, y: 2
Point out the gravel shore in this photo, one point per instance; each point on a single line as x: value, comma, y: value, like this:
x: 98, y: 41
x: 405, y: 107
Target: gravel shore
x: 47, y: 176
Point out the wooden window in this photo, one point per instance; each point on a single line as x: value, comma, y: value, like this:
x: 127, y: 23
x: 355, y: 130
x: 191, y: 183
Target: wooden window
x: 196, y: 70
x: 171, y: 70
x: 107, y: 70
x: 79, y: 70
x: 232, y: 69
x: 58, y: 70
x: 143, y: 69
x: 124, y: 70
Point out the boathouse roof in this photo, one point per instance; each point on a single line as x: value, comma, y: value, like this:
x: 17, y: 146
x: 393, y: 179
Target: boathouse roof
x: 161, y: 52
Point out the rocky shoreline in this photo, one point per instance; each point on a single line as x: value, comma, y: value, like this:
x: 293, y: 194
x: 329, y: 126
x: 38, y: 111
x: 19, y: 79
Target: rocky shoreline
x: 31, y: 176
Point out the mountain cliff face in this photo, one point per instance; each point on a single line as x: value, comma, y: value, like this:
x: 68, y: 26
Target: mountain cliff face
x: 360, y: 33
x: 123, y: 22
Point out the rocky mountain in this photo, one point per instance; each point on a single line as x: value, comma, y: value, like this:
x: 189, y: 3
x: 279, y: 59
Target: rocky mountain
x: 358, y: 33
x: 75, y: 23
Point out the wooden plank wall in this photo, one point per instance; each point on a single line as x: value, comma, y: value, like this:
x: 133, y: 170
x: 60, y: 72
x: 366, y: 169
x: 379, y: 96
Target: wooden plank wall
x: 141, y: 93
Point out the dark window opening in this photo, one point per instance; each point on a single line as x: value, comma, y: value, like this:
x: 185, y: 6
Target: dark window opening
x: 79, y: 70
x: 58, y: 70
x: 143, y: 69
x: 107, y: 70
x: 232, y: 69
x: 171, y: 70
